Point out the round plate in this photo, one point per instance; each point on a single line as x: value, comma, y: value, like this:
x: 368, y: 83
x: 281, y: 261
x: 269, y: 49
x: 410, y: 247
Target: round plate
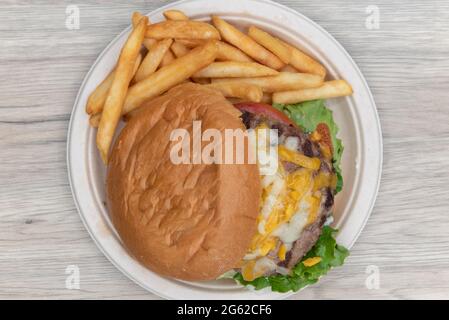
x: 356, y: 116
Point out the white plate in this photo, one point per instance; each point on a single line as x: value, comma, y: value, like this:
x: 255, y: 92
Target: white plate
x: 356, y: 116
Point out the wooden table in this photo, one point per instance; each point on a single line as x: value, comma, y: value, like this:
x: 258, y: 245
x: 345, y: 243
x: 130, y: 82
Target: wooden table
x: 405, y: 61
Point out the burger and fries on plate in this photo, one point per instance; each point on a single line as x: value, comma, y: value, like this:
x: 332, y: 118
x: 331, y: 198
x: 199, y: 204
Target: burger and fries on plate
x: 202, y: 221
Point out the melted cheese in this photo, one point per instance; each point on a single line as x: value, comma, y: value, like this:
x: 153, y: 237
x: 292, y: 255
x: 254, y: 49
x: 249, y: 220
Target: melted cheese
x: 292, y: 143
x: 299, y: 159
x: 289, y: 231
x: 311, y: 261
x: 256, y: 268
x: 282, y: 252
x: 273, y: 196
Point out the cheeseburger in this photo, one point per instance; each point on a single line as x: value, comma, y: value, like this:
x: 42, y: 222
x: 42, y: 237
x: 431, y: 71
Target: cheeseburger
x: 203, y: 220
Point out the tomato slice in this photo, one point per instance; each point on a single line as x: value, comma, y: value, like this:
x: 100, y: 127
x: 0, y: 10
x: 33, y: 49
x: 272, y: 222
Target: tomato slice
x: 266, y: 110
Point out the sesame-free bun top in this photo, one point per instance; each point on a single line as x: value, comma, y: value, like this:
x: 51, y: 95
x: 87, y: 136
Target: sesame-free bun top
x: 188, y: 221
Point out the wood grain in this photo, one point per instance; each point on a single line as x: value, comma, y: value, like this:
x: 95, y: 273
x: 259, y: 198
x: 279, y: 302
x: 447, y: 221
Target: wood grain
x: 42, y: 65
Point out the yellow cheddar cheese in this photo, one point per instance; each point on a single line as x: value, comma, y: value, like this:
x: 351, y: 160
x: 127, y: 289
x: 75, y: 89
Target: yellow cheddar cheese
x: 298, y: 158
x: 310, y: 262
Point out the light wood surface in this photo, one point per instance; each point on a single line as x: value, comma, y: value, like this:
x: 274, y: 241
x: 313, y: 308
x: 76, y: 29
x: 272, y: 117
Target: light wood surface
x: 42, y: 65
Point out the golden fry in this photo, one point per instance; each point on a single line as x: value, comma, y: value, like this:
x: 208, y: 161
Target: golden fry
x: 175, y: 15
x: 167, y: 77
x: 284, y: 81
x: 98, y: 96
x: 148, y: 43
x: 243, y: 91
x: 136, y: 18
x: 182, y: 30
x: 94, y: 120
x: 153, y: 59
x: 289, y: 68
x: 167, y: 59
x: 201, y: 80
x: 246, y: 44
x: 179, y: 49
x: 226, y: 52
x: 271, y: 43
x: 303, y: 63
x: 191, y: 43
x: 330, y: 89
x: 113, y: 105
x: 235, y: 69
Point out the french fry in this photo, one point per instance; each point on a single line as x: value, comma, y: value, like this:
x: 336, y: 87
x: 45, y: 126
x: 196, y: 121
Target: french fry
x: 179, y: 49
x: 243, y: 91
x: 201, y: 80
x: 136, y: 18
x: 167, y: 77
x: 330, y: 89
x: 284, y: 81
x: 167, y: 59
x: 113, y: 105
x: 153, y: 59
x: 246, y: 44
x: 289, y: 68
x: 303, y: 63
x: 235, y: 69
x: 182, y: 30
x: 191, y: 43
x: 226, y: 52
x: 97, y: 98
x: 148, y: 43
x: 175, y: 15
x: 94, y: 120
x: 271, y: 43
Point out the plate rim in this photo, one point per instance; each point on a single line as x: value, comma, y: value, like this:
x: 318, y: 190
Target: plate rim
x: 173, y: 5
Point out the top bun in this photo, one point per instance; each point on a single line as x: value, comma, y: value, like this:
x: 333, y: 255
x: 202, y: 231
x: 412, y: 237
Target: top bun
x: 188, y: 221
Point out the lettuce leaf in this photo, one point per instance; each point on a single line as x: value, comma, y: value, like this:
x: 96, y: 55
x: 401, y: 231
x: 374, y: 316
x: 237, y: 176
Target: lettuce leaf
x: 308, y: 115
x: 331, y: 254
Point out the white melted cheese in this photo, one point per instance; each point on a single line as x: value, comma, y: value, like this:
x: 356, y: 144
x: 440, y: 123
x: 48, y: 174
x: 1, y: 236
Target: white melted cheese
x: 264, y: 265
x: 292, y: 143
x: 289, y: 232
x: 251, y: 256
x: 272, y: 197
x: 267, y: 180
x: 261, y: 227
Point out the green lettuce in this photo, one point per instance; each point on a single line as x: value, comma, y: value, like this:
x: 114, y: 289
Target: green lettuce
x: 308, y: 115
x: 331, y: 254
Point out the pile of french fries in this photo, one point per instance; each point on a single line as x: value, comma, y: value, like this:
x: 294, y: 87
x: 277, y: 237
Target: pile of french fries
x: 254, y: 66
